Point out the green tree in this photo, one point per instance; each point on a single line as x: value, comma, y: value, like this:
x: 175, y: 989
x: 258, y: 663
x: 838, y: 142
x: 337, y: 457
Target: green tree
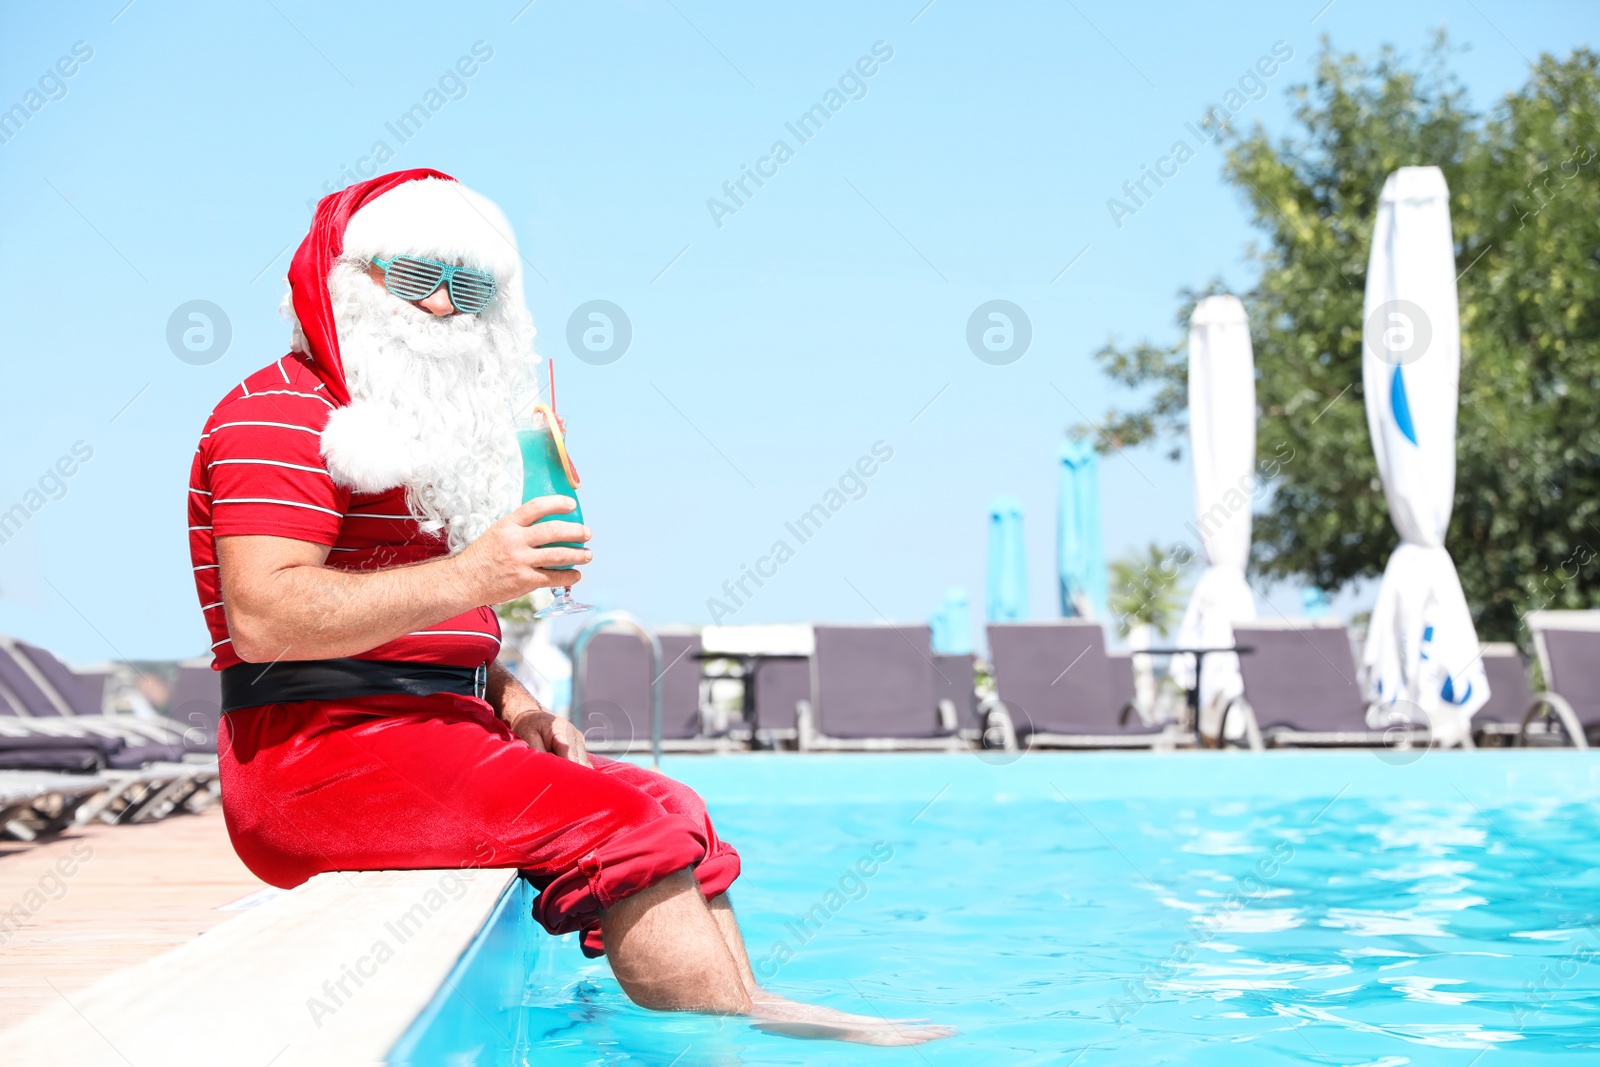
x: 1145, y: 589
x: 1525, y: 206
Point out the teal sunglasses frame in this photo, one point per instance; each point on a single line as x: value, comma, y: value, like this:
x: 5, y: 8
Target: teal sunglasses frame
x: 475, y: 292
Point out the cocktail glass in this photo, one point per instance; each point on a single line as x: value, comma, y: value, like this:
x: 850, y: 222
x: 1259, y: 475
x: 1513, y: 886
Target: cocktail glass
x: 547, y: 471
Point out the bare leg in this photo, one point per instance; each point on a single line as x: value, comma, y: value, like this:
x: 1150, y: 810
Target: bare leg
x: 722, y: 912
x: 668, y: 953
x: 781, y: 1015
x: 672, y: 951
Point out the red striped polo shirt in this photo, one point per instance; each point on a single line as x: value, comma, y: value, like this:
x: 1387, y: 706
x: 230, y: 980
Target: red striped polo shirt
x: 259, y: 470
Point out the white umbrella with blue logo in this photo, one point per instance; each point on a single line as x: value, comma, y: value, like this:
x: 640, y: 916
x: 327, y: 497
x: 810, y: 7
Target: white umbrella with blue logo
x: 1422, y: 657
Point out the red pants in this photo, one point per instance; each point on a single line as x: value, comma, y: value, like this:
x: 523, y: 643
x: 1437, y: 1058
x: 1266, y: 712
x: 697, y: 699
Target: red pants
x: 407, y: 783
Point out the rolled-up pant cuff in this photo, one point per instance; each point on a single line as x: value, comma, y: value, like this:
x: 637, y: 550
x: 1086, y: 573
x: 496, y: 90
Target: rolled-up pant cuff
x: 627, y: 863
x: 714, y: 874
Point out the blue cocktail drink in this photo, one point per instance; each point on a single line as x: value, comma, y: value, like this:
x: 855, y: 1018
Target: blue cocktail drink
x: 547, y: 471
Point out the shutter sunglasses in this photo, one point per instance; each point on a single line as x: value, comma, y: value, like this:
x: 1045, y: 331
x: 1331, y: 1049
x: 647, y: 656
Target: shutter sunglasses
x: 416, y: 278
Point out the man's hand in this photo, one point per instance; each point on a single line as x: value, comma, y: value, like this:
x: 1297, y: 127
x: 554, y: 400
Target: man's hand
x: 545, y: 731
x: 541, y: 730
x: 511, y: 558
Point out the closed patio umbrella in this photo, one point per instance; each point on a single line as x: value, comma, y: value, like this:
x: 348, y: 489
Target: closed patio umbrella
x: 1422, y: 648
x: 952, y: 633
x: 1222, y: 447
x: 1080, y: 555
x: 1006, y: 592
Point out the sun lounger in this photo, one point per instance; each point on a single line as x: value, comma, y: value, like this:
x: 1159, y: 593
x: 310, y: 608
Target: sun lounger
x: 80, y: 698
x: 1499, y: 721
x: 153, y: 792
x: 614, y: 712
x: 1301, y: 688
x: 1568, y: 646
x: 48, y: 745
x: 682, y: 709
x: 120, y: 748
x: 24, y: 750
x: 1054, y: 688
x: 34, y: 805
x: 196, y: 706
x: 876, y: 688
x: 133, y: 788
x: 613, y: 708
x: 782, y: 685
x: 96, y: 683
x: 28, y: 693
x: 141, y: 759
x: 955, y: 681
x: 1124, y: 691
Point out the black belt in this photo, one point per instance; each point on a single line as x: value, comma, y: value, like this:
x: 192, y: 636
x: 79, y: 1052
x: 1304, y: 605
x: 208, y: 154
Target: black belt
x: 249, y: 685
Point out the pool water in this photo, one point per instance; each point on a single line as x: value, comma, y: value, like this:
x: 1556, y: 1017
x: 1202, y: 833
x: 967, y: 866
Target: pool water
x: 1193, y: 908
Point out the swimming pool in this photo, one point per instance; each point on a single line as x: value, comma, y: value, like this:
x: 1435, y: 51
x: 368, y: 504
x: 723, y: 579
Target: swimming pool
x: 1195, y: 908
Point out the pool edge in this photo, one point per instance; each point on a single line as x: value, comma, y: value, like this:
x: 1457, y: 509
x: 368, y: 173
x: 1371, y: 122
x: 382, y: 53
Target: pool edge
x: 514, y: 898
x: 288, y: 961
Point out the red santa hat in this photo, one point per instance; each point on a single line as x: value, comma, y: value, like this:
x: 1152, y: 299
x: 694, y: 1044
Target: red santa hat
x: 420, y: 211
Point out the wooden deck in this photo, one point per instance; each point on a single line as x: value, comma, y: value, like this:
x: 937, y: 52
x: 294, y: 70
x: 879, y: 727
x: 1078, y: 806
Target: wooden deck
x: 102, y: 898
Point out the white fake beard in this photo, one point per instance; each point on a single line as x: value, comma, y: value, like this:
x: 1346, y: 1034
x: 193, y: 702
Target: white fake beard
x: 431, y: 404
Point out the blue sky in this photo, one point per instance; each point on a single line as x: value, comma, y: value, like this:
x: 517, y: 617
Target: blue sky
x: 769, y: 353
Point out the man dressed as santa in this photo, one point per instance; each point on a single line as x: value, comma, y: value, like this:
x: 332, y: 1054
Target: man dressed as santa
x: 352, y: 516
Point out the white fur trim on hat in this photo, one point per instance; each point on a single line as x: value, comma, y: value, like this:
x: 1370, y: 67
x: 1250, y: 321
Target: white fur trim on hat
x: 439, y: 219
x: 365, y: 449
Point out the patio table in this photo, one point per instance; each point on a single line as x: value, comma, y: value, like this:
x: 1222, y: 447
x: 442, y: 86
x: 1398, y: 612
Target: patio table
x: 749, y: 664
x: 1192, y: 693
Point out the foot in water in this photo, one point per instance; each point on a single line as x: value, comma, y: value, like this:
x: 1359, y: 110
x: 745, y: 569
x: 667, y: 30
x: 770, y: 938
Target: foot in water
x: 780, y: 1015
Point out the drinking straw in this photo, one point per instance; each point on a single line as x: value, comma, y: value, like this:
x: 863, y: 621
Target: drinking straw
x: 550, y: 363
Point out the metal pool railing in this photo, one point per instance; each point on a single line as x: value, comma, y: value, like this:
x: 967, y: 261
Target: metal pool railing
x: 620, y: 620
